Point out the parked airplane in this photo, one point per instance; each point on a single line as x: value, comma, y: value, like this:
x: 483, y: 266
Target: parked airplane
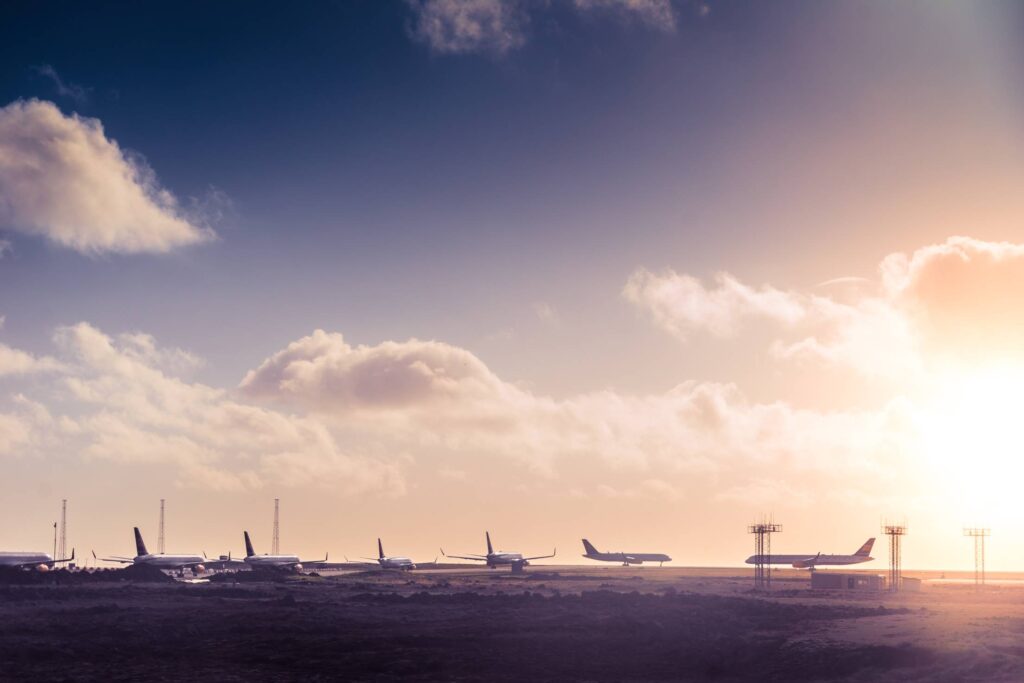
x: 494, y: 559
x: 394, y: 561
x: 160, y: 560
x: 265, y: 561
x: 42, y: 562
x: 625, y: 558
x: 863, y: 554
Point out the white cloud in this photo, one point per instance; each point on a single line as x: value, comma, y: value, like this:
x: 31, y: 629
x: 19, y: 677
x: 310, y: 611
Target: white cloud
x: 656, y: 13
x: 432, y: 398
x: 461, y: 26
x: 133, y: 412
x: 354, y: 418
x: 64, y: 88
x: 499, y: 26
x: 681, y: 304
x: 62, y: 178
x: 16, y: 362
x: 15, y: 433
x: 322, y: 372
x: 963, y: 297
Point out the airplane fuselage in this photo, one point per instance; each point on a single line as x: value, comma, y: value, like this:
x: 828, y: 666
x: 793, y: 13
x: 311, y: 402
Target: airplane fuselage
x: 809, y: 561
x: 396, y: 562
x: 502, y: 558
x: 25, y: 559
x: 628, y: 558
x: 273, y: 561
x: 165, y: 561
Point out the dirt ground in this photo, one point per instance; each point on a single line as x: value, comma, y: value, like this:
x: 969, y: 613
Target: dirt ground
x: 550, y: 623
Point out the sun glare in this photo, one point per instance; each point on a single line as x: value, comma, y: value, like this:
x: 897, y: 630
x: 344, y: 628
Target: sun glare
x: 972, y: 433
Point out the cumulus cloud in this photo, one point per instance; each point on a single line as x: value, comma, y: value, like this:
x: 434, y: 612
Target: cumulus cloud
x: 325, y: 373
x: 132, y: 411
x: 63, y: 179
x: 16, y: 362
x: 323, y: 412
x: 964, y: 297
x: 461, y: 26
x: 429, y: 396
x: 961, y: 300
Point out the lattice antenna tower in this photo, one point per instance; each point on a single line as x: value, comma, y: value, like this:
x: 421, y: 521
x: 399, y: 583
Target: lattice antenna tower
x: 895, y: 532
x: 160, y: 538
x: 762, y: 532
x: 276, y: 543
x: 979, y: 535
x: 62, y: 547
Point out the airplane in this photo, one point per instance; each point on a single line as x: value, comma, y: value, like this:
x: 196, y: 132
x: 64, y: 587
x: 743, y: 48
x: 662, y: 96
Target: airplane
x: 394, y: 561
x: 494, y: 559
x: 265, y: 561
x: 42, y: 562
x: 161, y: 560
x: 625, y: 558
x: 863, y: 554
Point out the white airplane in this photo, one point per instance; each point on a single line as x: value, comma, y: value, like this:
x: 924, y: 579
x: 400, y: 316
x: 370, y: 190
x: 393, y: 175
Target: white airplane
x: 265, y: 561
x: 494, y: 559
x: 394, y: 561
x: 809, y: 561
x: 625, y: 558
x: 42, y: 562
x: 160, y: 560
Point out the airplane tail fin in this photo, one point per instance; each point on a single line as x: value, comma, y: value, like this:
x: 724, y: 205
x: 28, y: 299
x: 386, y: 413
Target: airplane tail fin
x: 140, y: 545
x: 490, y: 548
x: 249, y: 552
x: 380, y: 549
x: 589, y: 547
x: 865, y: 549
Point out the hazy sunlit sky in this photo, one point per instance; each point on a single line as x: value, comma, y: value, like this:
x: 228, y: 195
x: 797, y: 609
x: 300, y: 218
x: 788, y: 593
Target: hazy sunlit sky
x: 635, y: 270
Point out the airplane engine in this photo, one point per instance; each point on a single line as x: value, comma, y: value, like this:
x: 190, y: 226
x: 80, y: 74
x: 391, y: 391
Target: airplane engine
x: 43, y: 568
x: 298, y: 567
x: 198, y: 569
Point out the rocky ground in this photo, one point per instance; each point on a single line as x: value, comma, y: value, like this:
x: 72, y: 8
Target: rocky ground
x: 609, y: 624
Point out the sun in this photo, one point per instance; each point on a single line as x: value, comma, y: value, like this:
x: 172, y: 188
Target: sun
x: 971, y: 426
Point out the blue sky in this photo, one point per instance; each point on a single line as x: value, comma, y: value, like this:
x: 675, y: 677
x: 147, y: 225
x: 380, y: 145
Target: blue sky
x: 492, y: 185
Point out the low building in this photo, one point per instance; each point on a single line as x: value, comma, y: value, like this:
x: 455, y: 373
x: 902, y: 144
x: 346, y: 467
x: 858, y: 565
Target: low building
x: 909, y: 584
x: 826, y: 580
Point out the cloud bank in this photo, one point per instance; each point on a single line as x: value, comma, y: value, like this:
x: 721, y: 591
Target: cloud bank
x: 961, y: 300
x: 63, y: 179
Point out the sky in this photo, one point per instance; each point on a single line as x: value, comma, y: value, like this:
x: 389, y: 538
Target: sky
x: 637, y: 270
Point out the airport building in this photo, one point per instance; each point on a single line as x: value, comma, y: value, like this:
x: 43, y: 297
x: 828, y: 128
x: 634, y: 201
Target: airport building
x: 825, y: 580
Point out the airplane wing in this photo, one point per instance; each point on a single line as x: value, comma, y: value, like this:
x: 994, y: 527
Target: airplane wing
x: 122, y: 560
x: 542, y: 557
x: 305, y: 562
x: 477, y: 558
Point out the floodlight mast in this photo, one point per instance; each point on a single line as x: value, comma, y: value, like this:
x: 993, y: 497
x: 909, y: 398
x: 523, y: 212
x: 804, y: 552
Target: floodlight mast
x: 762, y: 532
